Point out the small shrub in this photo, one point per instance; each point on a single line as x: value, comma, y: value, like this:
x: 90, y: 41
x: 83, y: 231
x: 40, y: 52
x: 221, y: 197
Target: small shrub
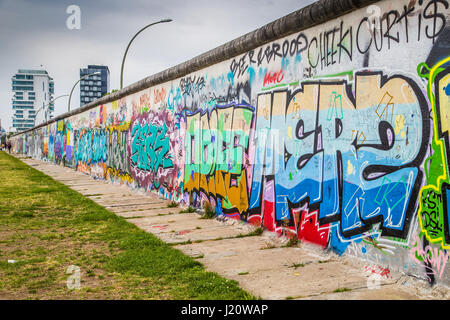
x: 257, y: 232
x: 172, y: 204
x: 210, y: 212
x: 188, y: 210
x: 292, y: 242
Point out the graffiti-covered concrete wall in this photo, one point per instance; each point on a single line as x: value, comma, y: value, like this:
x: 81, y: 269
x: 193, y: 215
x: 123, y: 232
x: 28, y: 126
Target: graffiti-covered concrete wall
x: 336, y: 134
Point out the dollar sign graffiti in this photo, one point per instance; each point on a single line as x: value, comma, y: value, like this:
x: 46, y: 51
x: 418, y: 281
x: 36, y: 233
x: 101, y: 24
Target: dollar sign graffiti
x: 433, y: 14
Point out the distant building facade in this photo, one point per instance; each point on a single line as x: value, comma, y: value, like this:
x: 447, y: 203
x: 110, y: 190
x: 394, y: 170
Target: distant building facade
x: 31, y: 103
x: 94, y: 86
x: 2, y: 134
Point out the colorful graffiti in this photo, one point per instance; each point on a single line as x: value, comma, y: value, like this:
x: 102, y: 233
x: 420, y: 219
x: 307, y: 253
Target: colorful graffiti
x: 316, y: 159
x: 151, y: 146
x: 216, y: 147
x: 434, y: 259
x: 59, y: 141
x: 117, y: 159
x: 337, y: 135
x: 434, y: 211
x: 91, y: 147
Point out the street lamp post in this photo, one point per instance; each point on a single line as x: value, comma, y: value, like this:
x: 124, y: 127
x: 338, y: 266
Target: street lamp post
x: 64, y: 95
x: 128, y: 46
x: 71, y: 91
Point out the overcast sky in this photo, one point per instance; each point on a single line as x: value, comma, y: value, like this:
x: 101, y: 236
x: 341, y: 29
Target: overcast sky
x: 34, y: 33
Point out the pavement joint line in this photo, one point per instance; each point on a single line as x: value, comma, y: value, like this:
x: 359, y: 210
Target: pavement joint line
x: 138, y: 217
x: 137, y: 210
x: 69, y: 180
x: 341, y: 292
x: 187, y: 242
x: 81, y: 185
x: 104, y: 199
x: 211, y: 226
x: 151, y: 216
x: 97, y: 194
x: 145, y: 201
x: 114, y: 204
x: 127, y: 205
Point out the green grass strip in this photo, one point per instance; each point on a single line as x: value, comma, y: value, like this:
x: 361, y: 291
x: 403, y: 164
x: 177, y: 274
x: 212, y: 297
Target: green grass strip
x: 45, y: 227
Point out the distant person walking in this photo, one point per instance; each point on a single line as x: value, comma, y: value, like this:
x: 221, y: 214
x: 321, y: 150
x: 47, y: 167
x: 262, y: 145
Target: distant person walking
x: 8, y: 145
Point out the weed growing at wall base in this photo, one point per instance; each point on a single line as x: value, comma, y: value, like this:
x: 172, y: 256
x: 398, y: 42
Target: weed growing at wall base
x: 188, y: 210
x: 172, y: 204
x: 209, y: 211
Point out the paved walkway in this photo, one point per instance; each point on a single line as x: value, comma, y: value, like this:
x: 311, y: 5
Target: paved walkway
x: 262, y: 264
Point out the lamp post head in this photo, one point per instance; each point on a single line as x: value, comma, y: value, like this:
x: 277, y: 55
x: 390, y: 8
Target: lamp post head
x: 129, y: 43
x: 91, y: 74
x: 83, y: 77
x: 94, y: 73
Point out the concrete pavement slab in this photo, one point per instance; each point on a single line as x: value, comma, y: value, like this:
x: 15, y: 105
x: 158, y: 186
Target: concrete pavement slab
x: 384, y: 292
x: 148, y: 213
x: 298, y: 271
x: 136, y: 207
x: 189, y: 234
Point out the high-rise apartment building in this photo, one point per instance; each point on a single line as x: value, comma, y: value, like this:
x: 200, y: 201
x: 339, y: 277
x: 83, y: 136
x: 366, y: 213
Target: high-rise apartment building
x: 33, y: 92
x: 93, y: 86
